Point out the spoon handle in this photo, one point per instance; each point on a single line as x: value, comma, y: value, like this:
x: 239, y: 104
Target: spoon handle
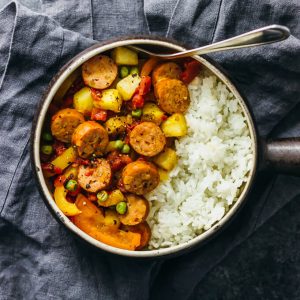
x: 260, y: 36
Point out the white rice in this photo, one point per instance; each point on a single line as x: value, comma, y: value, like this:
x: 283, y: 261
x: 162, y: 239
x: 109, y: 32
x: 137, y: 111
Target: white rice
x: 214, y: 160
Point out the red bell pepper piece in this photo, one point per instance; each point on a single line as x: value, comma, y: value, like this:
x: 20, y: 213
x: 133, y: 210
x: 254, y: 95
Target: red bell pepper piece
x: 191, y: 70
x: 143, y: 89
x: 138, y: 101
x: 99, y: 114
x: 145, y: 85
x: 59, y: 180
x: 81, y: 161
x: 117, y: 160
x: 59, y: 147
x: 76, y: 192
x: 51, y: 168
x: 57, y: 170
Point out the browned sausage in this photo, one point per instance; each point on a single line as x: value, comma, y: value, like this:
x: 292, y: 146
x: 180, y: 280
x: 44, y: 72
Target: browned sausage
x: 96, y: 176
x: 172, y: 95
x: 143, y: 229
x: 90, y: 137
x: 147, y: 139
x: 99, y: 72
x: 137, y: 210
x: 166, y: 70
x: 140, y: 177
x: 64, y: 122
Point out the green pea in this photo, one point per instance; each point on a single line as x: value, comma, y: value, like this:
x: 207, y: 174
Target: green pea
x: 47, y: 149
x: 71, y: 185
x: 125, y: 149
x: 102, y: 196
x: 137, y: 113
x: 47, y: 137
x: 121, y: 207
x: 123, y: 71
x: 119, y: 144
x: 134, y: 70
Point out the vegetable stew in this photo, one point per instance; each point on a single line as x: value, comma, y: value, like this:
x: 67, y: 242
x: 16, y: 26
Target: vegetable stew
x: 110, y: 140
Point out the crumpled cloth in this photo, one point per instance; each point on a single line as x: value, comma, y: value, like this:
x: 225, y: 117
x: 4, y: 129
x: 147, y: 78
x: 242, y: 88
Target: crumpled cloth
x: 39, y: 259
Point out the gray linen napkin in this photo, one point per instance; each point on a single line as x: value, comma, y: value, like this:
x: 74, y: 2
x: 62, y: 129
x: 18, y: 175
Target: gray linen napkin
x: 39, y: 258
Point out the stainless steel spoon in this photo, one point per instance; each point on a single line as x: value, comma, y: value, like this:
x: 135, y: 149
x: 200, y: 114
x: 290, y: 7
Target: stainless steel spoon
x: 260, y: 36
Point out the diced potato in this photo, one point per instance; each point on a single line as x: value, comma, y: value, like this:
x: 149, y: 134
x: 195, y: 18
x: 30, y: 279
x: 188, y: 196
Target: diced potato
x: 69, y: 209
x: 175, y: 126
x: 71, y: 172
x: 128, y: 85
x: 83, y: 101
x: 117, y: 125
x: 163, y: 175
x: 65, y: 159
x: 110, y: 99
x: 167, y: 159
x: 152, y: 113
x: 66, y: 85
x: 114, y: 198
x: 111, y: 219
x: 125, y: 56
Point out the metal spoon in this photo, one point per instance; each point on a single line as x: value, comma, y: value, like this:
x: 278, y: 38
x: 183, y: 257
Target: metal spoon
x: 260, y: 36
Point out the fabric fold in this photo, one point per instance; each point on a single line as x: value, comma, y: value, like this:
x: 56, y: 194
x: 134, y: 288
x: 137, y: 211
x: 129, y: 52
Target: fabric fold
x: 7, y: 26
x: 17, y: 101
x: 41, y: 259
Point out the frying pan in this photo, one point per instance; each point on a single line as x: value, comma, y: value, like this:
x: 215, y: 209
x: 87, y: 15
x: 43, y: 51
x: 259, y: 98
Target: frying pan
x: 278, y: 155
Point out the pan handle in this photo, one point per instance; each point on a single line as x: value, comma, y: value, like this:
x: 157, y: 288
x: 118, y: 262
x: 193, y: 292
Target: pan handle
x: 282, y: 155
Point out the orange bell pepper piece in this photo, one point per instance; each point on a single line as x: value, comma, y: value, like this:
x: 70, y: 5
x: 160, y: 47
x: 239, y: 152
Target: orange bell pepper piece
x: 148, y: 66
x: 92, y: 222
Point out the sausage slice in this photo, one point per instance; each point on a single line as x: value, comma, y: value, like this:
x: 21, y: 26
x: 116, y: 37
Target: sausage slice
x: 96, y: 176
x: 147, y: 139
x: 172, y: 95
x: 90, y: 137
x: 99, y: 72
x: 143, y: 229
x: 137, y: 210
x: 166, y: 70
x: 140, y: 177
x: 64, y: 122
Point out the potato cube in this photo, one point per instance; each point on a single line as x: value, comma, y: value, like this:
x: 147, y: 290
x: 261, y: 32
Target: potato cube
x: 174, y: 126
x: 167, y: 159
x: 163, y: 175
x: 110, y: 99
x: 117, y: 125
x: 83, y: 101
x: 128, y: 85
x: 114, y: 198
x: 125, y: 56
x: 152, y: 113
